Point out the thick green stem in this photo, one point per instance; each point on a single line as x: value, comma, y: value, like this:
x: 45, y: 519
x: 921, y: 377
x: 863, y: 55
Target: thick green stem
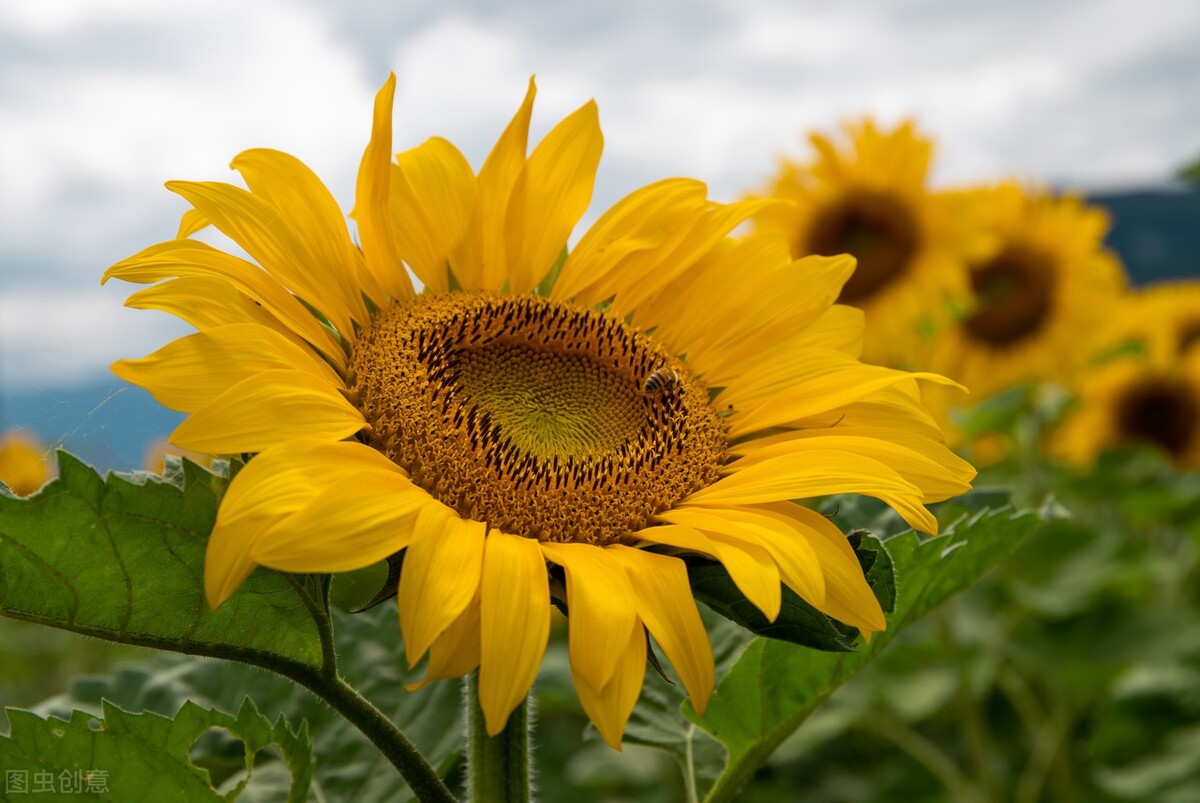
x: 383, y: 733
x: 497, y: 766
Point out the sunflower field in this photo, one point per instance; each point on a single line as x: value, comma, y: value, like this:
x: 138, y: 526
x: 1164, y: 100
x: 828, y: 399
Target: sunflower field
x: 852, y: 488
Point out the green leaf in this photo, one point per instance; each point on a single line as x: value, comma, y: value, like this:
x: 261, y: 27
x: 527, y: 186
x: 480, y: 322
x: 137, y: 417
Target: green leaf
x: 348, y: 766
x: 124, y: 756
x: 122, y: 558
x: 773, y: 688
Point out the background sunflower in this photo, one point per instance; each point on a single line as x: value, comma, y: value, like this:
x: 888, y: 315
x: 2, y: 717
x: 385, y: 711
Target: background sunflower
x: 1039, y: 299
x: 868, y: 196
x: 1144, y: 387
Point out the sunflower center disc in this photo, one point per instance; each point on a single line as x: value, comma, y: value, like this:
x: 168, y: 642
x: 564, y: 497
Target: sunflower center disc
x: 1160, y: 412
x: 879, y: 232
x: 1013, y: 296
x: 533, y: 415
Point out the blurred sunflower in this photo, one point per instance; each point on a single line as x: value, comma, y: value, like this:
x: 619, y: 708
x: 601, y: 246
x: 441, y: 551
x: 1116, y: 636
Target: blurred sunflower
x: 870, y: 199
x: 24, y: 466
x: 533, y: 424
x: 1039, y: 299
x: 1167, y: 311
x: 1148, y: 389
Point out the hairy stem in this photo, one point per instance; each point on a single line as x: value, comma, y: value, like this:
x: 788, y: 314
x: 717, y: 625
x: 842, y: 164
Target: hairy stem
x: 383, y: 733
x: 497, y: 766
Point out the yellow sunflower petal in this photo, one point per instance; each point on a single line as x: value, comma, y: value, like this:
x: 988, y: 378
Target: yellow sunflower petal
x: 270, y: 488
x: 311, y: 211
x: 839, y: 328
x: 705, y: 232
x: 456, y: 651
x: 601, y: 610
x: 187, y: 258
x: 482, y: 256
x: 254, y: 224
x: 818, y: 473
x: 265, y: 410
x: 550, y: 195
x: 685, y: 315
x: 382, y: 272
x: 24, y: 463
x: 432, y: 194
x: 750, y: 566
x: 193, y: 371
x: 939, y: 477
x: 665, y: 604
x: 353, y: 523
x: 792, y: 300
x: 515, y: 623
x: 848, y: 597
x: 894, y: 413
x: 781, y: 369
x: 638, y: 222
x: 193, y: 220
x: 610, y: 709
x: 227, y: 564
x: 798, y: 564
x: 440, y: 576
x: 817, y: 395
x: 205, y: 302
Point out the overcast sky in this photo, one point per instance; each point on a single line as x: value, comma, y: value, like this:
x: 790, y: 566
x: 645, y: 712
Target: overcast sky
x: 101, y: 101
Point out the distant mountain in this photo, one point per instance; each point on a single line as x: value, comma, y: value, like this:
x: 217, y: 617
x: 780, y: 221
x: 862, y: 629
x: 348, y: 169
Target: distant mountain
x: 1156, y: 232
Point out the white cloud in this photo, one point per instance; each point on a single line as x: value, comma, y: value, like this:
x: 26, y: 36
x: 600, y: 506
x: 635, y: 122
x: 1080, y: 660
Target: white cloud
x: 125, y: 98
x: 50, y: 337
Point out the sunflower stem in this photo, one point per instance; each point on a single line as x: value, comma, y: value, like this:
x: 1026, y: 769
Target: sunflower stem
x: 497, y: 766
x: 383, y: 733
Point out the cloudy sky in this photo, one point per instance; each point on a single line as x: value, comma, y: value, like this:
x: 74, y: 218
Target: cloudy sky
x: 103, y: 100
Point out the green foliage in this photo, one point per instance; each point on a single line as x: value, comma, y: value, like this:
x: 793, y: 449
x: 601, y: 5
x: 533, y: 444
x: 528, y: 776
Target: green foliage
x: 121, y: 558
x: 121, y: 756
x: 347, y: 766
x: 775, y: 686
x: 658, y: 722
x: 1073, y: 673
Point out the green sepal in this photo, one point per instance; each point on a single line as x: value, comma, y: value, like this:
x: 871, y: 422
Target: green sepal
x: 877, y: 567
x: 797, y: 622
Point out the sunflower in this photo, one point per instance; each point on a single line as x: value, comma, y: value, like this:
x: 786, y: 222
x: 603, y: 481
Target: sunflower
x: 1146, y: 387
x: 23, y: 464
x: 870, y: 199
x: 1038, y: 300
x: 534, y: 424
x: 1161, y: 318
